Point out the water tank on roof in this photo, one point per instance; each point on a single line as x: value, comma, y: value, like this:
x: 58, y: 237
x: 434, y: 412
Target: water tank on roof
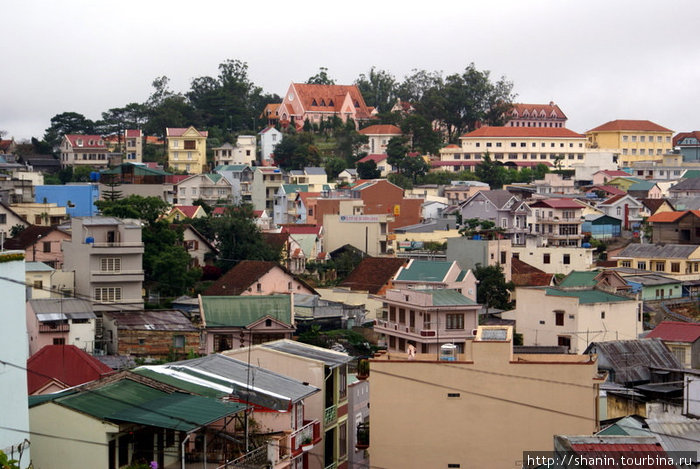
x: 476, y: 237
x: 89, y: 240
x: 586, y: 245
x: 448, y: 352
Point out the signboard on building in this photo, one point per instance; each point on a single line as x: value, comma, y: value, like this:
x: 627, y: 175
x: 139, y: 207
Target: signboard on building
x: 360, y: 218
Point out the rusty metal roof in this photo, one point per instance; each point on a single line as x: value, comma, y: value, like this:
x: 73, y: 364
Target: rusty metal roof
x: 628, y: 361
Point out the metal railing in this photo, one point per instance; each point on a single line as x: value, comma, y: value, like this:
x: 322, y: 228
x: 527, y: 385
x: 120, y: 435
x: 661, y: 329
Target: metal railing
x: 330, y: 415
x: 255, y: 459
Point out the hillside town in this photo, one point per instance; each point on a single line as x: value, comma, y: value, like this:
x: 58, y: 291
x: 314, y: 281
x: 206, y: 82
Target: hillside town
x: 232, y: 297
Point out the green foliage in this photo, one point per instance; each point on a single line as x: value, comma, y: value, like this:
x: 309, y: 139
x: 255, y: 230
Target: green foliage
x: 423, y: 137
x: 334, y: 166
x: 239, y: 238
x: 348, y: 143
x: 149, y: 209
x: 485, y: 228
x: 378, y: 88
x: 368, y: 170
x: 297, y: 151
x: 411, y: 167
x: 321, y: 78
x: 166, y: 262
x: 491, y: 172
x: 16, y: 230
x: 67, y: 123
x: 400, y: 180
x: 493, y: 290
x: 7, y: 463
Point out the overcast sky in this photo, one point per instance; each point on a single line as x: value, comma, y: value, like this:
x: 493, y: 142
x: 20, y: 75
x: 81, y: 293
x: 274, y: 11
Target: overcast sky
x: 599, y: 60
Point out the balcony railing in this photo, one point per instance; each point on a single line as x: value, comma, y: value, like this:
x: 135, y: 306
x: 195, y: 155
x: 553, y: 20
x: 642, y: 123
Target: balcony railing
x: 117, y: 245
x: 54, y: 328
x: 309, y: 434
x: 330, y: 415
x: 331, y: 466
x: 117, y: 272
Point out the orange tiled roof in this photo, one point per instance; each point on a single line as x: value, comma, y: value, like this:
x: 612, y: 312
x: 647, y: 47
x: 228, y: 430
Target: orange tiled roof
x: 97, y: 141
x: 328, y: 94
x: 682, y: 135
x: 670, y: 217
x: 382, y: 129
x: 534, y: 132
x: 178, y: 131
x: 630, y: 125
x: 537, y: 109
x: 376, y: 157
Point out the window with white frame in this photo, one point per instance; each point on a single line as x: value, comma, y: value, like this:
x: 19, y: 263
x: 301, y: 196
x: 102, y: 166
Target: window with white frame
x: 110, y: 264
x: 108, y: 294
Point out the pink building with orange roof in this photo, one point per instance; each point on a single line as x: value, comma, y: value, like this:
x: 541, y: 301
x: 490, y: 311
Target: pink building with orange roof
x: 317, y: 102
x: 536, y: 115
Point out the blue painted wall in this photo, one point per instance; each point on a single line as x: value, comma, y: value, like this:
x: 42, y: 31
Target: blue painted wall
x: 82, y: 198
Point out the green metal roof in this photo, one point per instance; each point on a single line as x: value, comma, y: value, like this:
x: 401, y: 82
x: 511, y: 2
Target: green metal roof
x: 579, y: 278
x: 231, y: 167
x: 140, y: 170
x: 424, y: 271
x: 292, y: 188
x: 642, y: 186
x: 692, y: 173
x: 461, y: 275
x: 445, y: 297
x: 588, y: 296
x: 214, y: 177
x: 180, y: 383
x: 129, y: 401
x: 241, y: 311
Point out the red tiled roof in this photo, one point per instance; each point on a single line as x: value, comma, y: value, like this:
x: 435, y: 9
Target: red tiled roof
x: 301, y: 229
x: 382, y: 129
x: 133, y: 133
x: 613, y: 199
x: 31, y: 235
x: 64, y: 363
x: 629, y: 125
x: 218, y: 211
x: 373, y: 273
x: 86, y: 139
x: 537, y: 108
x: 188, y: 210
x: 179, y: 131
x: 557, y: 203
x: 670, y: 217
x: 305, y: 196
x: 676, y: 331
x: 5, y: 145
x: 452, y: 145
x: 524, y: 132
x: 331, y: 93
x: 150, y: 139
x: 523, y: 274
x: 682, y: 135
x: 376, y: 157
x: 176, y: 178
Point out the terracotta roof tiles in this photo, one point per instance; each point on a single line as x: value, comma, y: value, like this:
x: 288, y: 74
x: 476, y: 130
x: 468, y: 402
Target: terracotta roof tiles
x: 630, y: 125
x: 524, y: 132
x: 675, y: 331
x: 66, y: 364
x: 381, y: 129
x: 373, y: 274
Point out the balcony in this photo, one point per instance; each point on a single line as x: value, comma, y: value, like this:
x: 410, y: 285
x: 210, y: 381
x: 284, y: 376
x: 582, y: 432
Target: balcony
x: 116, y: 248
x: 116, y: 276
x: 362, y: 436
x: 54, y: 328
x: 330, y: 415
x: 305, y: 438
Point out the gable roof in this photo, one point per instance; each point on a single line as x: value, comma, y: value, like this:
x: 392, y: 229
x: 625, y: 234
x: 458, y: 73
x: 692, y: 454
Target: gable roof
x: 629, y: 125
x: 523, y: 132
x: 537, y: 109
x: 376, y: 157
x: 659, y: 251
x: 498, y: 197
x: 652, y: 204
x: 373, y: 273
x: 244, y: 274
x: 180, y: 131
x: 308, y: 93
x: 449, y: 297
x: 642, y: 186
x: 588, y: 296
x: 579, y: 278
x: 276, y: 240
x: 424, y: 271
x: 690, y: 184
x: 671, y: 217
x: 189, y: 211
x: 381, y: 129
x: 676, y: 331
x: 86, y: 139
x: 616, y: 198
x: 242, y: 311
x: 557, y: 203
x: 612, y: 190
x: 64, y: 363
x: 302, y: 229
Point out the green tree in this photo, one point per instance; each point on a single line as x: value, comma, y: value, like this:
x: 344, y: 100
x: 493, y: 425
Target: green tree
x: 414, y: 87
x: 239, y: 238
x: 476, y: 226
x: 334, y: 166
x: 422, y: 136
x: 297, y: 151
x: 493, y: 290
x: 378, y: 88
x: 149, y: 209
x: 368, y: 170
x: 67, y: 123
x: 348, y: 142
x: 166, y: 263
x: 113, y: 183
x: 321, y: 78
x: 491, y: 172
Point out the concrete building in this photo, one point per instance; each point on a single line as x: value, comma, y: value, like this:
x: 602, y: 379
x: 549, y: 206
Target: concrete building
x: 106, y: 255
x: 680, y: 261
x: 682, y: 227
x: 555, y: 259
x: 84, y: 150
x: 378, y: 137
x: 60, y: 321
x: 324, y: 369
x: 502, y: 208
x: 43, y: 214
x: 637, y: 140
x: 266, y: 181
x: 471, y: 252
x: 14, y: 434
x: 137, y: 179
x: 367, y: 233
x: 426, y: 320
x: 269, y: 138
x: 535, y: 115
x: 434, y: 274
x: 243, y: 153
x: 133, y: 145
x: 428, y: 413
x: 212, y: 188
x: 187, y: 149
x: 557, y: 222
x: 78, y: 199
x: 315, y: 103
x: 682, y: 339
x: 574, y: 317
x: 625, y: 208
x: 459, y: 191
x: 40, y: 244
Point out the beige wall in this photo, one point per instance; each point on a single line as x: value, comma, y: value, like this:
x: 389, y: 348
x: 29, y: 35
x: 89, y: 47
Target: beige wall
x: 65, y: 453
x: 505, y: 406
x: 583, y: 323
x: 579, y: 258
x: 364, y: 236
x: 373, y: 307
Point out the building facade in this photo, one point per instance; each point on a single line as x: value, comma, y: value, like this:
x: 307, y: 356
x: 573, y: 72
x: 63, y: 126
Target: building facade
x: 187, y: 149
x: 637, y: 140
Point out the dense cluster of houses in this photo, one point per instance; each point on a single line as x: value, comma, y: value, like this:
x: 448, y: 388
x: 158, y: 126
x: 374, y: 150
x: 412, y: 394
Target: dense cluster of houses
x: 601, y: 347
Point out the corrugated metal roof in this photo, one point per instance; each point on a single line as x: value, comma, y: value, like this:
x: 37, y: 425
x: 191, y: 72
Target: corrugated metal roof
x: 241, y: 311
x: 668, y: 251
x: 651, y: 279
x: 674, y: 331
x: 588, y: 296
x: 37, y: 267
x: 329, y: 357
x: 630, y: 360
x: 580, y: 279
x: 151, y: 320
x: 230, y: 376
x: 61, y: 306
x: 447, y: 297
x: 677, y: 433
x: 424, y: 271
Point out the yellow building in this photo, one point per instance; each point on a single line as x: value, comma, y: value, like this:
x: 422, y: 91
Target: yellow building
x: 429, y: 413
x: 637, y: 140
x: 680, y: 261
x: 520, y: 146
x: 42, y: 214
x: 187, y: 149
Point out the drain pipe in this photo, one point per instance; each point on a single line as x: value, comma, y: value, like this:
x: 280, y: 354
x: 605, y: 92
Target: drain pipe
x: 182, y: 447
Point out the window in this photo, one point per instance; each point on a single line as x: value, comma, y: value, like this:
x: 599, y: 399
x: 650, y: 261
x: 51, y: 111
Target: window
x: 454, y: 321
x: 38, y: 284
x: 343, y: 440
x: 675, y: 267
x: 625, y: 263
x: 618, y: 210
x: 343, y: 378
x: 426, y: 321
x: 564, y: 341
x: 545, y: 258
x: 190, y: 145
x: 513, y: 144
x: 559, y: 318
x: 625, y: 138
x: 108, y: 294
x: 59, y: 341
x: 503, y: 257
x: 642, y: 265
x: 602, y: 315
x: 110, y: 264
x: 178, y: 341
x: 660, y: 266
x: 634, y: 138
x: 392, y: 313
x: 567, y: 259
x: 641, y: 138
x: 258, y: 287
x: 402, y: 316
x: 3, y: 218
